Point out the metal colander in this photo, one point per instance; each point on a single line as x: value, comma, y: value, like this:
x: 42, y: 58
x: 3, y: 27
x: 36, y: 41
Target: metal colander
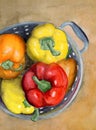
x: 24, y: 30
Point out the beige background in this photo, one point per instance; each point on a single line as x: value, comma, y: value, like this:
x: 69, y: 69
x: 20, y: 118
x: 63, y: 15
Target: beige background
x: 81, y: 115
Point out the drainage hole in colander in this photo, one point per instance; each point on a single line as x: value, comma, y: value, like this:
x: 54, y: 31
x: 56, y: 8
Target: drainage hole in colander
x: 65, y: 98
x: 73, y: 53
x: 72, y: 88
x: 41, y: 108
x: 26, y: 29
x: 75, y: 79
x: 52, y: 108
x: 16, y: 32
x: 41, y: 112
x: 69, y: 56
x: 14, y: 28
x: 27, y: 33
x: 26, y: 26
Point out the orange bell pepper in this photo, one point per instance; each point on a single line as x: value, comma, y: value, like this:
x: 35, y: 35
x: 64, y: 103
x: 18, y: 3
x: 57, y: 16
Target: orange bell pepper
x: 12, y: 55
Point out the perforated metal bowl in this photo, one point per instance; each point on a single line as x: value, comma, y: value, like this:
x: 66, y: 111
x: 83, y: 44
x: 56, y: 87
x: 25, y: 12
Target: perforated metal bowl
x: 24, y: 30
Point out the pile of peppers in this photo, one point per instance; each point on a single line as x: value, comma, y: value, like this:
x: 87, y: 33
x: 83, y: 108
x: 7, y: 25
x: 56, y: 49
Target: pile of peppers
x: 45, y: 82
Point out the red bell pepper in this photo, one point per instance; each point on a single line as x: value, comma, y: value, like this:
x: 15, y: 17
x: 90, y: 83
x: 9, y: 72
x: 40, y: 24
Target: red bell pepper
x: 45, y: 84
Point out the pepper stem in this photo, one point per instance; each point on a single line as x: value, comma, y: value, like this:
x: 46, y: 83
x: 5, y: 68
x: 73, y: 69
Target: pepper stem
x: 8, y: 65
x: 35, y: 115
x: 54, y: 52
x: 43, y: 85
x: 48, y: 44
x: 26, y: 103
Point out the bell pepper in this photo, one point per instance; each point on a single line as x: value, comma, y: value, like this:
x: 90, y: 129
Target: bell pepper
x: 70, y: 67
x: 45, y: 84
x: 47, y: 44
x: 13, y: 97
x: 12, y: 55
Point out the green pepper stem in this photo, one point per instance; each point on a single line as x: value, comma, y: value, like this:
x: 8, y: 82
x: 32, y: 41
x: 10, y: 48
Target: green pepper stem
x: 48, y: 43
x: 26, y: 103
x: 8, y: 65
x: 17, y: 69
x: 35, y: 115
x: 43, y: 85
x: 54, y: 52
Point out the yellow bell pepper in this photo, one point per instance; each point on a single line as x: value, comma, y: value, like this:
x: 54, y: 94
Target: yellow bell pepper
x: 13, y: 97
x: 47, y: 44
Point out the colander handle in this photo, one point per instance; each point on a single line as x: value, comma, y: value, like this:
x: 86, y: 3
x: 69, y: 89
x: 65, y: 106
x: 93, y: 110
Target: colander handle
x: 79, y: 32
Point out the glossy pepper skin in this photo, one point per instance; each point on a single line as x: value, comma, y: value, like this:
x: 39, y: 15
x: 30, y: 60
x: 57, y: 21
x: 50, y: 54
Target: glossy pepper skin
x: 13, y: 97
x: 12, y: 55
x: 47, y: 44
x: 45, y: 84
